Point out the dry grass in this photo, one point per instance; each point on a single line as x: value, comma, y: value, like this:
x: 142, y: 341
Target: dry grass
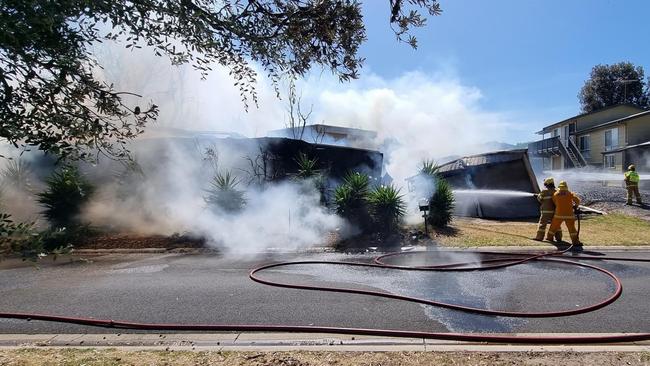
x: 108, y: 357
x: 613, y: 229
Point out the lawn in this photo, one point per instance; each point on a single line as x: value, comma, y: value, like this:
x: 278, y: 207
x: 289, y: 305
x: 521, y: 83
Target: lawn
x: 106, y: 357
x: 613, y: 229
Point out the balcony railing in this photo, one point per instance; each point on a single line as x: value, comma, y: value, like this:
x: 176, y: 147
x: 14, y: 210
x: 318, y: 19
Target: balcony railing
x: 546, y: 147
x: 554, y: 146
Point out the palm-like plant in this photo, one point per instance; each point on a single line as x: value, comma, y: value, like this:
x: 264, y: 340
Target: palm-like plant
x: 224, y: 195
x: 67, y: 191
x: 441, y: 204
x: 351, y: 199
x: 387, y: 208
x: 352, y: 194
x: 306, y: 166
x: 429, y: 167
x: 16, y: 174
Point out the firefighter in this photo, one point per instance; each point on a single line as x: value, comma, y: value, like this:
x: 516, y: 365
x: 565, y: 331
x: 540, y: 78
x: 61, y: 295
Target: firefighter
x: 565, y: 202
x: 632, y: 184
x: 547, y: 209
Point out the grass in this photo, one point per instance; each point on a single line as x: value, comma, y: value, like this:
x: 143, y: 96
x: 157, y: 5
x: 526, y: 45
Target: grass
x: 613, y: 229
x: 110, y: 357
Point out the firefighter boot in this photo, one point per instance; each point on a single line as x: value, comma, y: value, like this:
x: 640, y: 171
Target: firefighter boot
x: 558, y: 236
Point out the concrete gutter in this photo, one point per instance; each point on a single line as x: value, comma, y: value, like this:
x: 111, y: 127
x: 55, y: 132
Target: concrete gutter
x: 287, y: 342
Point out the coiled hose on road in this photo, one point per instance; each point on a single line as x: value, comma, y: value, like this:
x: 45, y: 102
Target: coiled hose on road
x: 506, y: 260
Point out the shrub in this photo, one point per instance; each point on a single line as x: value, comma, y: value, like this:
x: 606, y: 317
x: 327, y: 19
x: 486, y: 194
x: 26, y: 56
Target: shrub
x: 62, y: 239
x: 67, y: 191
x: 223, y: 194
x: 351, y: 200
x: 387, y: 208
x: 441, y: 204
x: 19, y: 238
x: 316, y: 178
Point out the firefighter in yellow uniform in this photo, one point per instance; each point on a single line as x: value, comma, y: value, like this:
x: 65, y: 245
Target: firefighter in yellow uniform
x: 547, y: 210
x: 632, y: 184
x: 564, y: 201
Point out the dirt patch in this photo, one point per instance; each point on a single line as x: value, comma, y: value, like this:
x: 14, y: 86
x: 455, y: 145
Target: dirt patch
x: 28, y: 357
x: 361, y: 243
x: 133, y: 241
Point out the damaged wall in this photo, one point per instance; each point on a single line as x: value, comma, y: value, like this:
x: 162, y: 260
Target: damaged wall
x: 498, y: 185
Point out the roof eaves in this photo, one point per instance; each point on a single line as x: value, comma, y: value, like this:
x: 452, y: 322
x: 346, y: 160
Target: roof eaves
x: 643, y: 144
x: 616, y: 121
x: 548, y: 128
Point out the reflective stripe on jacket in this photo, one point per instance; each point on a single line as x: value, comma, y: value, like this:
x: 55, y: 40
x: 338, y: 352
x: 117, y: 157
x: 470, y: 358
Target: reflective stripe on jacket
x: 545, y: 198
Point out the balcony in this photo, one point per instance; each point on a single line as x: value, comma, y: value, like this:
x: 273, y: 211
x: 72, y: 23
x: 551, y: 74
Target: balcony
x: 555, y: 147
x: 548, y: 147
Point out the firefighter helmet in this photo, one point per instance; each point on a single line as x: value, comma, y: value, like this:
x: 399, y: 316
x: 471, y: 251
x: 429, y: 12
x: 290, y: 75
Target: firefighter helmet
x: 563, y: 185
x: 549, y: 182
x: 631, y: 167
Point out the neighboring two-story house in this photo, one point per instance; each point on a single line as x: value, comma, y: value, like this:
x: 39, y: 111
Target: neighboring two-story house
x: 610, y: 138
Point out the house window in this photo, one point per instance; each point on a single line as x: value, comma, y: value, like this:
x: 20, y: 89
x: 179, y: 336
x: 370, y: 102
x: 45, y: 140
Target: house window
x: 609, y: 161
x: 611, y: 139
x: 584, y: 144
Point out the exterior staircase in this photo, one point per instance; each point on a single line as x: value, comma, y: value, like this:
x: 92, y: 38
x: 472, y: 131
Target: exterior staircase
x: 574, y: 155
x: 554, y: 146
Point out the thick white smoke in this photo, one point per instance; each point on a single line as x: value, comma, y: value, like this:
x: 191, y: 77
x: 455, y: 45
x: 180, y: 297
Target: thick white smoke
x: 168, y: 196
x: 416, y: 116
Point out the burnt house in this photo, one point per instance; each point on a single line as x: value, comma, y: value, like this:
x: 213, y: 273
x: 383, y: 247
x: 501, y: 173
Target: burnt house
x: 270, y: 158
x: 497, y: 185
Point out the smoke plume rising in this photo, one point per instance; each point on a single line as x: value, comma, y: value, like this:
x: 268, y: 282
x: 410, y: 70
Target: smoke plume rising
x: 416, y: 116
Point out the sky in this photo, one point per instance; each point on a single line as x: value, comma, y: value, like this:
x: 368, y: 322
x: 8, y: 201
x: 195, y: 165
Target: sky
x: 484, y: 71
x: 528, y: 58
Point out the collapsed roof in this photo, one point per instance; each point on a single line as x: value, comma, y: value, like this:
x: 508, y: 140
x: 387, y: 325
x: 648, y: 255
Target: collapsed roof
x: 482, y: 183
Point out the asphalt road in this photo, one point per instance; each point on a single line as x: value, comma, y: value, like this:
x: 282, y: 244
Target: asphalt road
x: 199, y: 288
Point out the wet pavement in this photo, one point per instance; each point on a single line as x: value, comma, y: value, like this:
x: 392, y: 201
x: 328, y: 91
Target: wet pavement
x: 200, y: 288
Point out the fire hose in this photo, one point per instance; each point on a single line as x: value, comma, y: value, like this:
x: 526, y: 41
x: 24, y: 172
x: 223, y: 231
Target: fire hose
x: 505, y: 260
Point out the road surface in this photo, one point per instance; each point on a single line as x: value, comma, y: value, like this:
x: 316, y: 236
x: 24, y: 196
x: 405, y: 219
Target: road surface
x: 201, y: 288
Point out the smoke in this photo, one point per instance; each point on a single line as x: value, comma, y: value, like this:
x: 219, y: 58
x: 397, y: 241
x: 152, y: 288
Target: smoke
x: 167, y: 197
x: 587, y: 175
x: 416, y: 116
x: 19, y: 184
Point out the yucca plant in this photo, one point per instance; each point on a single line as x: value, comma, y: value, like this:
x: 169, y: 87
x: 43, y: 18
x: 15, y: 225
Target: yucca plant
x: 351, y: 199
x: 429, y: 167
x: 306, y: 166
x: 67, y: 191
x: 16, y: 174
x: 316, y: 178
x: 223, y: 194
x: 441, y: 204
x: 387, y: 208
